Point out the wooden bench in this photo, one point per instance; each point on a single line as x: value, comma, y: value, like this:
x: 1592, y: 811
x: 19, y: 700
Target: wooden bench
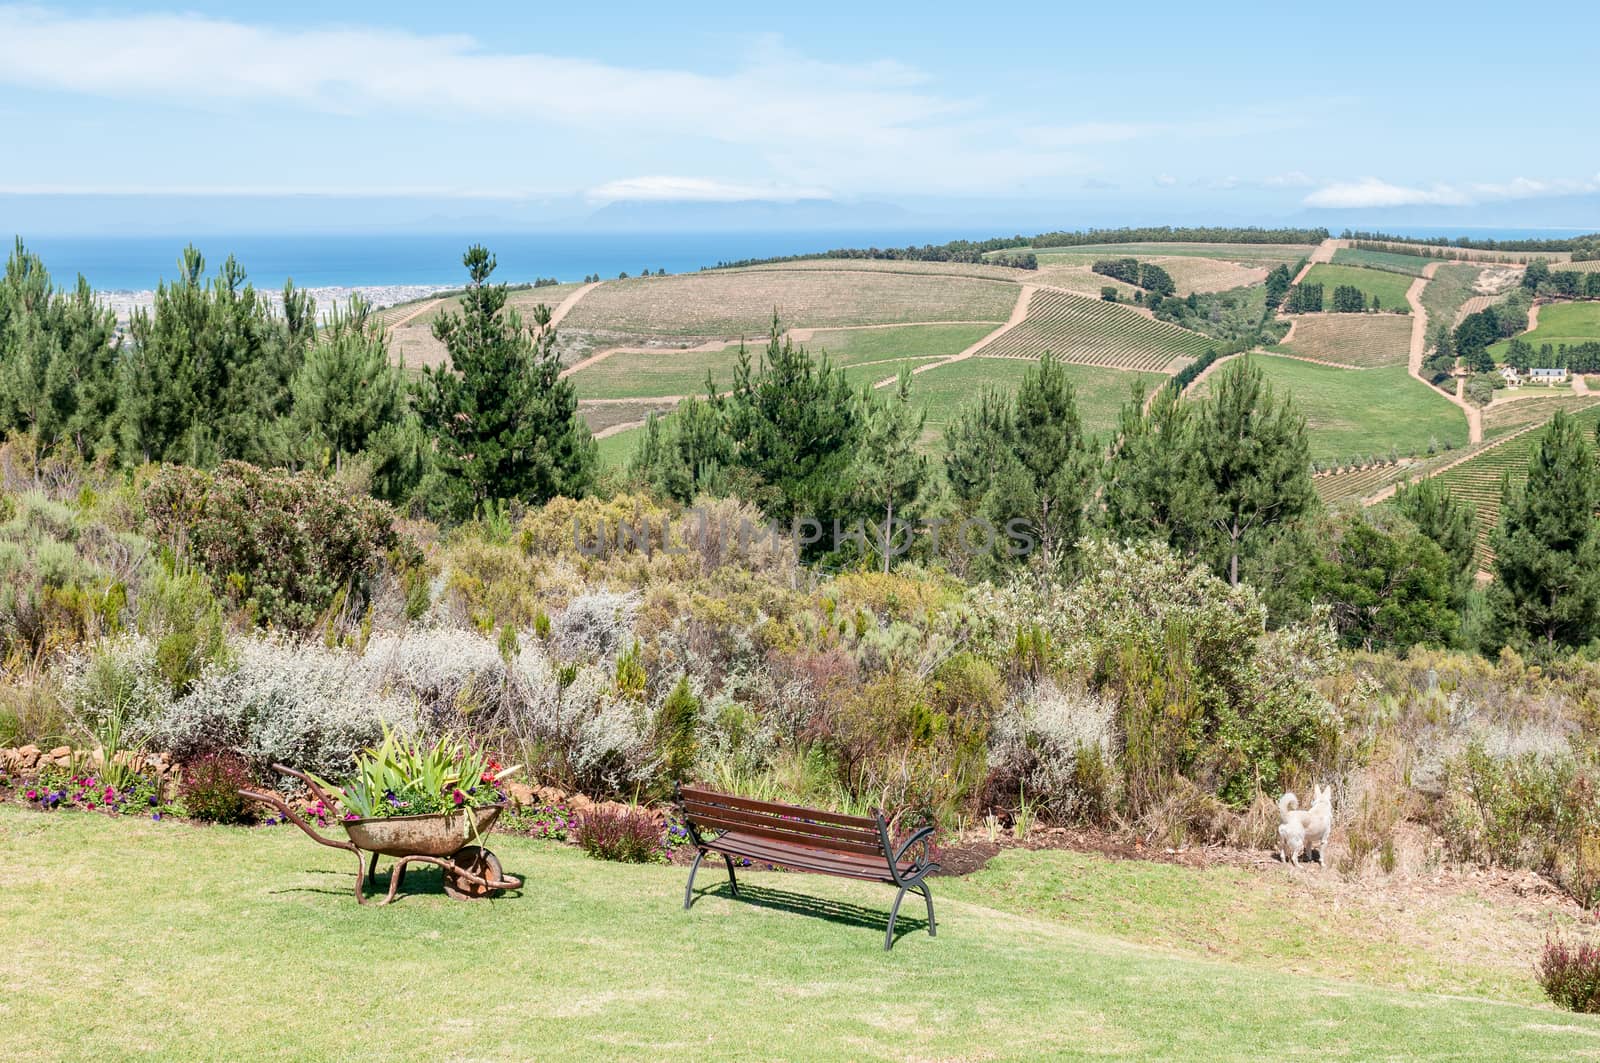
x: 805, y: 839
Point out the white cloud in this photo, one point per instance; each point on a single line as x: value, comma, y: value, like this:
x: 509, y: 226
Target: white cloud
x: 697, y: 189
x: 1166, y: 180
x: 1372, y: 192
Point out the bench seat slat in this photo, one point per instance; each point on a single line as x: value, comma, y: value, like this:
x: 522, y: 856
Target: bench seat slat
x: 776, y: 833
x: 800, y: 859
x: 695, y: 809
x: 696, y: 793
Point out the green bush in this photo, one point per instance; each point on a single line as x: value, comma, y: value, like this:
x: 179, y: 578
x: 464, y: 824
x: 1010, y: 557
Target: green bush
x: 285, y: 547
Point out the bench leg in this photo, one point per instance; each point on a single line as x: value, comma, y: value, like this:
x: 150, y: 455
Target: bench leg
x: 733, y: 880
x: 688, y: 891
x: 927, y: 895
x: 888, y: 935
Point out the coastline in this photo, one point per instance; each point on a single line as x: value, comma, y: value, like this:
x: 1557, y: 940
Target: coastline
x: 125, y: 303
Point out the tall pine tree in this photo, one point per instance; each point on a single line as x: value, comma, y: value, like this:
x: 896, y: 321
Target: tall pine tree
x: 504, y: 423
x: 889, y: 471
x: 1250, y: 463
x: 1546, y: 593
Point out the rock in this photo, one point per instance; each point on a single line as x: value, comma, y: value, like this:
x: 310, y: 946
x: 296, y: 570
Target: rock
x: 28, y: 756
x: 60, y: 754
x: 522, y: 795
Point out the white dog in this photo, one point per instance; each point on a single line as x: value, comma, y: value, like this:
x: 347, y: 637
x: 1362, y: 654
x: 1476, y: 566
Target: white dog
x: 1299, y: 831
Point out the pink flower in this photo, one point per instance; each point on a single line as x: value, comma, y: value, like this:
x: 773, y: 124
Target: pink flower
x: 459, y: 797
x: 33, y: 795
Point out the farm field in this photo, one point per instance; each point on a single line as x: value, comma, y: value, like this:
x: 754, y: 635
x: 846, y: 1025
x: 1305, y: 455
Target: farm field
x: 669, y: 371
x: 867, y: 354
x: 1590, y: 265
x: 1363, y: 340
x: 886, y: 265
x: 943, y: 390
x: 1478, y: 480
x: 1253, y: 254
x: 1559, y: 323
x: 1449, y: 289
x: 1093, y: 332
x: 730, y: 305
x: 1503, y: 418
x: 1354, y: 413
x: 1411, y: 265
x: 1080, y: 279
x: 412, y: 343
x: 1390, y: 288
x: 1464, y: 254
x: 1074, y: 954
x: 617, y: 449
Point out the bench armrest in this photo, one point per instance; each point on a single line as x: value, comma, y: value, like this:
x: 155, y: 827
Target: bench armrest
x: 920, y: 837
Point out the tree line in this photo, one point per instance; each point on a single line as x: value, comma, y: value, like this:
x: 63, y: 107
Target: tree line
x: 1586, y: 245
x: 214, y: 371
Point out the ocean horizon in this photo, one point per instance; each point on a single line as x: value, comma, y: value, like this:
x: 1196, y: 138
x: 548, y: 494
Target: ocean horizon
x: 127, y: 263
x: 138, y: 263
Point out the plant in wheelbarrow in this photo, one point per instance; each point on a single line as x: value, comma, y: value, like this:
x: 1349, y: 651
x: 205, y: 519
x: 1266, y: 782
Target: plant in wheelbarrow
x: 417, y: 801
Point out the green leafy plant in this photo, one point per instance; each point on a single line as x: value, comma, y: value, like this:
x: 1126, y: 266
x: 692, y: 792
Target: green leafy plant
x: 1570, y: 974
x: 415, y: 777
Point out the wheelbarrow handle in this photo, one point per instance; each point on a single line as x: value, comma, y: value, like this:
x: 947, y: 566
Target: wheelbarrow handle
x: 293, y: 817
x: 327, y: 802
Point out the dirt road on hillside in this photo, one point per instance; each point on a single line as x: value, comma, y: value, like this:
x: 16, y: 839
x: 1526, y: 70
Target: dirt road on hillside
x: 1419, y: 347
x: 1323, y: 253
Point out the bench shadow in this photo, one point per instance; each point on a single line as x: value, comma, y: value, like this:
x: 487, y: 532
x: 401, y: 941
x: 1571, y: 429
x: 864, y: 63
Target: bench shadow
x: 841, y: 912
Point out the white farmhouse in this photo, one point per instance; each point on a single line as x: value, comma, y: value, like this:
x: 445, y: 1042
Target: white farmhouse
x: 1547, y: 376
x: 1512, y: 377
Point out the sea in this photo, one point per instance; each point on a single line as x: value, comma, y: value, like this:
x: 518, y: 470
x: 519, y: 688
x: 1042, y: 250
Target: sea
x: 128, y: 263
x: 138, y: 263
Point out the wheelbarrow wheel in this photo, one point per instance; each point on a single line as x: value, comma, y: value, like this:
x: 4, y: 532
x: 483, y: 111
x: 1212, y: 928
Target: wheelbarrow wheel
x: 477, y: 861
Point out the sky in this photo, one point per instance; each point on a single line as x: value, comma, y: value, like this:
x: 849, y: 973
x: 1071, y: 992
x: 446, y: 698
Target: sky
x: 1181, y: 112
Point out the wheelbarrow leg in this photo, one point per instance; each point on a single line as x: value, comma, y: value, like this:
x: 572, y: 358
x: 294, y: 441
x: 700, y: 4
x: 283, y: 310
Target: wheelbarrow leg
x: 361, y: 877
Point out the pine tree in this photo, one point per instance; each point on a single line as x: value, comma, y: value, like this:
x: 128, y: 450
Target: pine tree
x: 209, y: 372
x: 1546, y: 593
x: 346, y: 391
x: 1149, y: 492
x: 889, y: 472
x: 1056, y: 459
x: 793, y: 424
x: 58, y: 354
x: 1450, y: 523
x: 1251, y: 464
x: 505, y: 425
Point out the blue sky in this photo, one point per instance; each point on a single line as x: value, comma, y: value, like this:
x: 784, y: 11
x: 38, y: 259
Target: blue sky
x: 1261, y: 110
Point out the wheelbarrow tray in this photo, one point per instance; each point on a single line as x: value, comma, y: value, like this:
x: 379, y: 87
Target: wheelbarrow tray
x: 435, y: 834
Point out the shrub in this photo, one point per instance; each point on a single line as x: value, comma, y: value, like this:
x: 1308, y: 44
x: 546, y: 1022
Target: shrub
x: 675, y: 731
x: 303, y: 706
x: 1055, y: 747
x: 210, y: 788
x: 628, y: 836
x: 285, y: 546
x: 1570, y: 974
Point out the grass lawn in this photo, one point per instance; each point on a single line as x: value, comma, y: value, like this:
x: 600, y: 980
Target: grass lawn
x: 1390, y: 288
x: 1559, y: 323
x: 1352, y: 413
x: 128, y: 939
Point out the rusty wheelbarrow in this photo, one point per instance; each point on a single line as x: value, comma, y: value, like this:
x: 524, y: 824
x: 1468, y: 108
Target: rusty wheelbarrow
x: 470, y: 871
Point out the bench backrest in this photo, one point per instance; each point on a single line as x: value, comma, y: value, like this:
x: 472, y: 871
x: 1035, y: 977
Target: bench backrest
x: 812, y: 828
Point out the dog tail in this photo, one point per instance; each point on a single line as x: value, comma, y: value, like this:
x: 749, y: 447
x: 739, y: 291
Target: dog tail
x: 1288, y: 803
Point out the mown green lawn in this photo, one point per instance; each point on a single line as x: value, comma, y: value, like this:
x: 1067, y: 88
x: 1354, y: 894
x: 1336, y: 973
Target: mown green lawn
x: 1390, y: 288
x: 128, y: 939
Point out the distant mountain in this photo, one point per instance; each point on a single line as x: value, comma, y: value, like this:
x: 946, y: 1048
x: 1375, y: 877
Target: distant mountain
x: 1553, y: 216
x: 750, y: 215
